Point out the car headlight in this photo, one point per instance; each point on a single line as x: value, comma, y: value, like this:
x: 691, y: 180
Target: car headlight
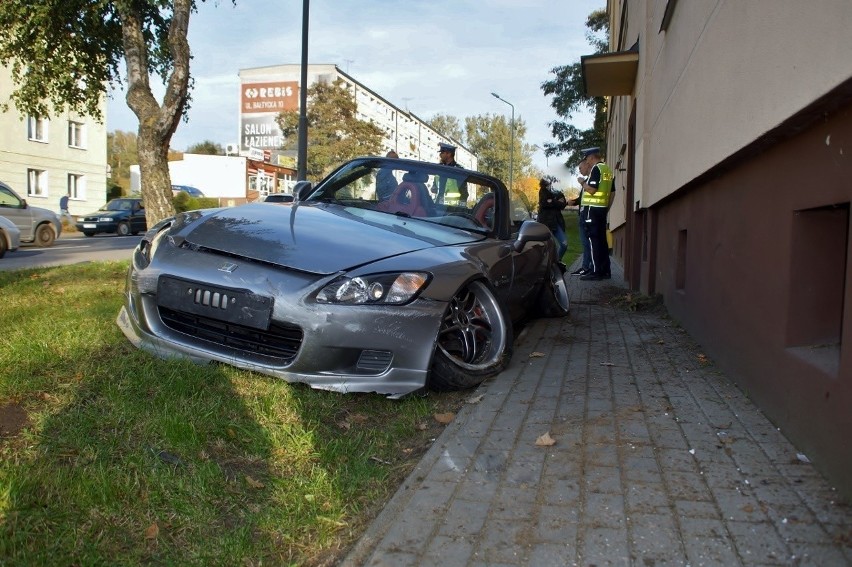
x: 381, y: 289
x: 105, y: 219
x: 148, y: 246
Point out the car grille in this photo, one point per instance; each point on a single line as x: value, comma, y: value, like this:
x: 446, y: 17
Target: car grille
x: 279, y: 341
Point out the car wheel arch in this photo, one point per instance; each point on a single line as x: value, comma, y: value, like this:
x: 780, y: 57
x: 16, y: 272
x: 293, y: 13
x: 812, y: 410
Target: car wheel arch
x: 457, y: 365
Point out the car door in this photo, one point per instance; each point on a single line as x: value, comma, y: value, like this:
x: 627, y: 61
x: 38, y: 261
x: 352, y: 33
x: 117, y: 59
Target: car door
x: 137, y: 218
x: 14, y: 208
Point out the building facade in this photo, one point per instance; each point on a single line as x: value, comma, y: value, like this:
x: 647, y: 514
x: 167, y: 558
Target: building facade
x: 267, y: 91
x: 44, y: 158
x: 733, y: 158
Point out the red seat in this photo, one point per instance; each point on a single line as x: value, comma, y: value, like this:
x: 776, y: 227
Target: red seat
x: 409, y: 198
x: 483, y: 211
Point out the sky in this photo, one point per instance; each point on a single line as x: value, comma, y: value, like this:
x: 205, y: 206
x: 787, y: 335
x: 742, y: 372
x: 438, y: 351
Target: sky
x: 431, y: 57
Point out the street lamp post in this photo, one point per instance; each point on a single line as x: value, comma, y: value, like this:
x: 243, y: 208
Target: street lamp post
x: 302, y: 148
x: 512, y: 147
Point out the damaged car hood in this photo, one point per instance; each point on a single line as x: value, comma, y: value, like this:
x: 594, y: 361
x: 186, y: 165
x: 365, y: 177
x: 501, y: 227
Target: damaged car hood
x: 315, y: 237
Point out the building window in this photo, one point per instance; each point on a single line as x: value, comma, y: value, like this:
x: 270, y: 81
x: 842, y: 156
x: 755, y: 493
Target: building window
x: 817, y: 281
x: 36, y: 183
x: 76, y: 134
x: 76, y: 186
x: 37, y: 128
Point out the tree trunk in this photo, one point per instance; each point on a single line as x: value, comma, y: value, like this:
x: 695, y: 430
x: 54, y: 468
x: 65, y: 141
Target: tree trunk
x: 157, y: 123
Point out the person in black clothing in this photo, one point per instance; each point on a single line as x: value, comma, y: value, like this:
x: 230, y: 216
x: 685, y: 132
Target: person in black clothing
x: 385, y: 180
x: 550, y: 205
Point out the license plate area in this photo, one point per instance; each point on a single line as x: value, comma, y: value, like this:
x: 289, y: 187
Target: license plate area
x: 237, y: 306
x: 90, y: 225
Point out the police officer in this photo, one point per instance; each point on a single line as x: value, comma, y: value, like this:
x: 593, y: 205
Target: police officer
x: 597, y: 189
x: 449, y: 187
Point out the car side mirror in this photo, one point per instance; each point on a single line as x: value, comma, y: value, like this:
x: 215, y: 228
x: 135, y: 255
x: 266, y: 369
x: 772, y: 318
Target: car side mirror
x: 531, y: 231
x: 302, y: 189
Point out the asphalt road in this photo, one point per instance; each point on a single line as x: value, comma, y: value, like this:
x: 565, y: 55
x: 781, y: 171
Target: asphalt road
x: 72, y: 248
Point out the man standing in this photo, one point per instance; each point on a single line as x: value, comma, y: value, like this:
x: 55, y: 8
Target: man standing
x: 586, y: 267
x: 596, y: 199
x: 63, y: 208
x: 448, y: 188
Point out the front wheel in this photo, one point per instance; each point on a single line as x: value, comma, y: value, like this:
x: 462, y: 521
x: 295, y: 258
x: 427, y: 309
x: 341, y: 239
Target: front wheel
x: 3, y: 245
x: 123, y: 229
x: 553, y: 298
x: 44, y: 236
x: 474, y: 341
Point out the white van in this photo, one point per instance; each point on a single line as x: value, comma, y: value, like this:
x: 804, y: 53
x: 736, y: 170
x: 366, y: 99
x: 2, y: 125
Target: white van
x: 37, y: 225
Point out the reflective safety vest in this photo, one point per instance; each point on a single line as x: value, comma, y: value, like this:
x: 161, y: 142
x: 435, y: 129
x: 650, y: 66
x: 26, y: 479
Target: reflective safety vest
x: 451, y: 190
x: 601, y: 197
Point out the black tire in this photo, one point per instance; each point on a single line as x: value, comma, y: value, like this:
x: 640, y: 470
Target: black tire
x: 44, y: 236
x: 3, y: 245
x: 89, y: 233
x: 553, y: 300
x: 474, y: 341
x: 123, y: 229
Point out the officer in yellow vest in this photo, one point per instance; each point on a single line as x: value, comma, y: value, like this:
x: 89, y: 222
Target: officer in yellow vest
x: 597, y: 189
x: 448, y: 189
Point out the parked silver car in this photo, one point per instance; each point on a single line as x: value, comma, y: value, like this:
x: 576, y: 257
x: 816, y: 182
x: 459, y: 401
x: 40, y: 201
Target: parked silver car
x: 350, y: 288
x: 37, y: 225
x: 10, y: 236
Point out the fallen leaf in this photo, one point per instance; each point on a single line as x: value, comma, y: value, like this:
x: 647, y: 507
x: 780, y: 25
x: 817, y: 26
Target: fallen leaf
x: 345, y: 425
x: 153, y: 531
x: 536, y: 354
x: 254, y: 483
x: 422, y: 426
x: 475, y: 399
x: 545, y: 440
x: 444, y: 418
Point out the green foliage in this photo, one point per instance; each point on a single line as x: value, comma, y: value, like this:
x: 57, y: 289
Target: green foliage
x: 114, y: 191
x: 122, y: 152
x: 335, y: 133
x: 207, y: 147
x: 489, y: 137
x: 79, y: 46
x: 448, y: 126
x: 183, y: 202
x: 110, y: 456
x: 567, y: 90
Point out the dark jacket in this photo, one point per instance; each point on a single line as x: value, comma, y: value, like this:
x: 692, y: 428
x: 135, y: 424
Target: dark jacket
x: 550, y: 205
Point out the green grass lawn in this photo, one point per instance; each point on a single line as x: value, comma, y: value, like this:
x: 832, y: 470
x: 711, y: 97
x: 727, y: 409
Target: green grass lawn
x: 109, y: 456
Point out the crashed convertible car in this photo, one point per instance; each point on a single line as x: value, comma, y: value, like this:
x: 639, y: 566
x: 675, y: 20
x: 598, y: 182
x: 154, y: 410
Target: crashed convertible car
x: 388, y: 276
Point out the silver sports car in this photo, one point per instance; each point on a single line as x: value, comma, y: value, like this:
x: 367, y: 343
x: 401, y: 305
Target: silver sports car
x: 388, y: 276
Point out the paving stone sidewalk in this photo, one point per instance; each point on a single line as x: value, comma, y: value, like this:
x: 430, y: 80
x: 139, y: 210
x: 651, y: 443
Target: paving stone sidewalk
x: 658, y: 460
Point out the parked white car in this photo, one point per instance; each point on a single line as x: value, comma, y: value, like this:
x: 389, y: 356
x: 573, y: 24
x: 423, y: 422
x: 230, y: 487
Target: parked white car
x: 41, y: 226
x: 10, y: 236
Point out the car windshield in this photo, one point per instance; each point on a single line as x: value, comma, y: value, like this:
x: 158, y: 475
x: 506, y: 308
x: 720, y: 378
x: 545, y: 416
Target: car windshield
x: 118, y: 205
x: 443, y: 195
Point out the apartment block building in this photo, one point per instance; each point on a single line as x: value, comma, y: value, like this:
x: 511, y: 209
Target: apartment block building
x: 267, y: 91
x: 44, y: 158
x: 731, y: 138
